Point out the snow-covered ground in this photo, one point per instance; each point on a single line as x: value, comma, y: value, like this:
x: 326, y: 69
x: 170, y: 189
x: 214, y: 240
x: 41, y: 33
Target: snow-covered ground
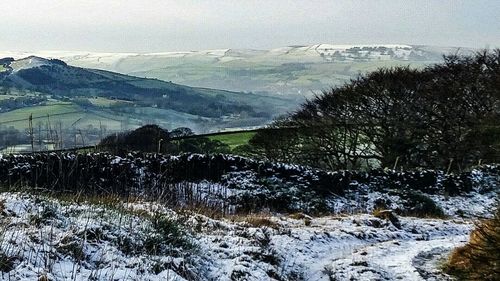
x: 62, y: 240
x: 107, y: 239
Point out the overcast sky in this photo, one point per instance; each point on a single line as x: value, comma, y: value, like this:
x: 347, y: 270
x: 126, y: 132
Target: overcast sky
x: 165, y: 25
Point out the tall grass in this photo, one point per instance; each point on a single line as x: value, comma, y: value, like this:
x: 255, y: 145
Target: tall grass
x: 480, y: 258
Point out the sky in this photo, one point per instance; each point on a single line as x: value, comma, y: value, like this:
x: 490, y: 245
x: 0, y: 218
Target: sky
x: 165, y: 25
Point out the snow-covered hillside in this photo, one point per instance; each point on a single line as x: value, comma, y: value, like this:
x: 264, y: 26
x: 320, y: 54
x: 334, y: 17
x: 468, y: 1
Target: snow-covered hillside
x: 60, y: 240
x: 157, y: 217
x: 326, y: 52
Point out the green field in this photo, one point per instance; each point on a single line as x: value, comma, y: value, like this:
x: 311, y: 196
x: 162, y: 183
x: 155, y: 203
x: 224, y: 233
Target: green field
x: 39, y: 111
x: 70, y: 115
x: 104, y: 102
x: 234, y: 140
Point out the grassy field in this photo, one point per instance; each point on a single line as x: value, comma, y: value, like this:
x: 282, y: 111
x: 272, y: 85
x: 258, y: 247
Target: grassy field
x: 70, y: 115
x: 64, y: 112
x: 39, y: 111
x: 234, y: 140
x: 104, y: 102
x: 273, y: 76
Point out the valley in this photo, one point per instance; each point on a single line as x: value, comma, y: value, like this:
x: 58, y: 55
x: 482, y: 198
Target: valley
x: 82, y: 96
x: 77, y: 106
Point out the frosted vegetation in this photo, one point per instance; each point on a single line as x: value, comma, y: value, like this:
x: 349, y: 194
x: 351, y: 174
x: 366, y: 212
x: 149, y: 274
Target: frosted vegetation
x: 202, y: 226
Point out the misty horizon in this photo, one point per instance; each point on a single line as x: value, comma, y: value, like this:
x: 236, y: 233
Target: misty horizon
x: 36, y: 52
x: 169, y: 26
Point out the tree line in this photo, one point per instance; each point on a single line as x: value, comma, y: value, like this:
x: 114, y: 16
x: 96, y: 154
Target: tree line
x: 443, y: 116
x: 153, y: 138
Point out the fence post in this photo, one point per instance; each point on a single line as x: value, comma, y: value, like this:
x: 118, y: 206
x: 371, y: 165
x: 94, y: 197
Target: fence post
x: 396, y: 163
x: 449, y: 166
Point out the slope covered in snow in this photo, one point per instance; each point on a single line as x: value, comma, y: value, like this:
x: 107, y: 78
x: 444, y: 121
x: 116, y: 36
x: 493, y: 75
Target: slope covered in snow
x: 74, y: 241
x: 183, y: 218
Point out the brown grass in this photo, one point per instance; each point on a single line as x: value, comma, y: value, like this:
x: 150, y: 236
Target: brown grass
x: 301, y: 216
x: 480, y: 258
x: 201, y: 209
x: 255, y: 220
x: 298, y: 216
x: 261, y: 222
x: 105, y: 199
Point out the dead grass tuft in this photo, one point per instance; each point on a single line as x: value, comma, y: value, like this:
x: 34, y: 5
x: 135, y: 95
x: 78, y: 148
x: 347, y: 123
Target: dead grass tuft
x: 255, y: 220
x: 480, y: 258
x: 301, y: 216
x: 261, y: 222
x: 298, y: 216
x: 43, y: 277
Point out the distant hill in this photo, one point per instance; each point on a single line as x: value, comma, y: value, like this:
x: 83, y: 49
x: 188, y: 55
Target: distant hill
x: 55, y: 77
x: 289, y: 71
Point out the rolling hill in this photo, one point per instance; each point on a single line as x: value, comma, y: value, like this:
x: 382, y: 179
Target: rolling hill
x: 92, y: 102
x: 54, y: 77
x: 293, y: 71
x: 98, y: 88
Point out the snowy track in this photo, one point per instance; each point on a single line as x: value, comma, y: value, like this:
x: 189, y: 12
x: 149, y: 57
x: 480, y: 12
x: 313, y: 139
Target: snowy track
x: 398, y: 260
x: 341, y: 248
